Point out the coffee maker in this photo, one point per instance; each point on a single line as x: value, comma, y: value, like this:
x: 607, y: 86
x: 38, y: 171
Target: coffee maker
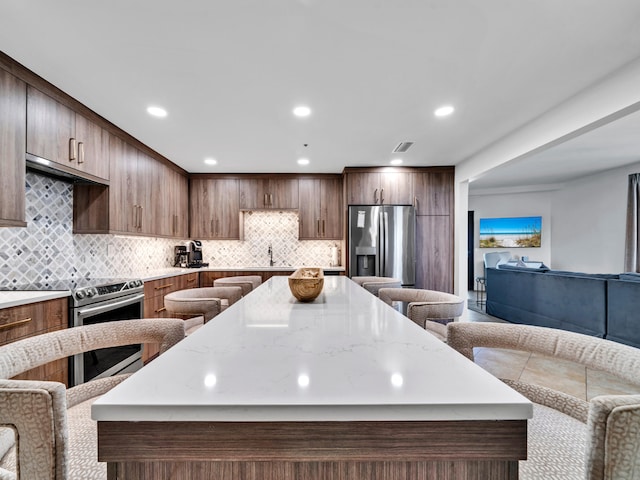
x: 195, y: 255
x: 180, y: 256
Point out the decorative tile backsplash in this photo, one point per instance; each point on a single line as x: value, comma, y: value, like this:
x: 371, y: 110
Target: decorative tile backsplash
x: 47, y: 249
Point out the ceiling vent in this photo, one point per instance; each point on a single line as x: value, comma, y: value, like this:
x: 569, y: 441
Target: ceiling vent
x: 402, y: 147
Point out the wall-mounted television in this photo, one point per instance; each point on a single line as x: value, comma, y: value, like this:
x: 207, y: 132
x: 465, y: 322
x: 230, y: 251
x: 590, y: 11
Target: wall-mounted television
x: 514, y: 232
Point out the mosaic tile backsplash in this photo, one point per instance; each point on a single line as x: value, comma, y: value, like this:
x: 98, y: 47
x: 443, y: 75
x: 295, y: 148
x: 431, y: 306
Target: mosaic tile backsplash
x: 47, y: 249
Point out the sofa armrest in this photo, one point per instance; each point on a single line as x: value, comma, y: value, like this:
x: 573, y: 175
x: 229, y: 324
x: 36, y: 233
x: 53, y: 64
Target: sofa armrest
x: 37, y: 411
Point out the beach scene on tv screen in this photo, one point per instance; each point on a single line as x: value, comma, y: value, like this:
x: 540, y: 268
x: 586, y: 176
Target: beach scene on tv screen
x: 516, y: 232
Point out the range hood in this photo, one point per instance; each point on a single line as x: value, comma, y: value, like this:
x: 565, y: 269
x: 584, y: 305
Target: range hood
x: 61, y: 172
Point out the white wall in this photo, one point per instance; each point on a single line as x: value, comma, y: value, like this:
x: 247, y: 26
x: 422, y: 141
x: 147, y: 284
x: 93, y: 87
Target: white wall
x: 589, y: 221
x: 513, y: 205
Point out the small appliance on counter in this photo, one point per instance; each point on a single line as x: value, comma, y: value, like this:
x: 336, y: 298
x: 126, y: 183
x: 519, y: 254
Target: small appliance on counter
x: 195, y: 255
x: 181, y: 259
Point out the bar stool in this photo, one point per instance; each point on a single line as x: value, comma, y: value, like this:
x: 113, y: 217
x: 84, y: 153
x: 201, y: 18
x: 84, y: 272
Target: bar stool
x: 200, y: 304
x: 246, y: 282
x: 430, y: 309
x: 373, y: 284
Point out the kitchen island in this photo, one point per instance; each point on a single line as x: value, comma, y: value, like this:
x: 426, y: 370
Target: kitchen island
x: 344, y: 387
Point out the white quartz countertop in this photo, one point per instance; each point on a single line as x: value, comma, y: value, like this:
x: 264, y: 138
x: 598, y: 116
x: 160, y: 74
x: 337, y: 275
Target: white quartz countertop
x: 14, y: 298
x: 346, y: 356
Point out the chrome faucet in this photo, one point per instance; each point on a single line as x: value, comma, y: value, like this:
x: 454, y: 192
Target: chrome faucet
x: 270, y: 253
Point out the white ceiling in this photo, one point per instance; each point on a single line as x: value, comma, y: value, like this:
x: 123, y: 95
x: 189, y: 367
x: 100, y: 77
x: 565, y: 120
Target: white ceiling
x: 230, y: 72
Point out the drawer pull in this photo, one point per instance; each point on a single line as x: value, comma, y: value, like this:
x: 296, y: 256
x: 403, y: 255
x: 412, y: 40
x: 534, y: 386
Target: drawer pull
x: 161, y: 287
x: 160, y: 310
x: 189, y: 280
x: 15, y: 324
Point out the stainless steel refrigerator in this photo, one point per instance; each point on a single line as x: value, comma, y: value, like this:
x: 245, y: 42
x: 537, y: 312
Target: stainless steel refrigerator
x: 382, y: 242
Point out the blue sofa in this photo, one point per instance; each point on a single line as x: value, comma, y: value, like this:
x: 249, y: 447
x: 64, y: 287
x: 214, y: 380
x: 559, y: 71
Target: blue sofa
x: 623, y: 309
x: 566, y: 300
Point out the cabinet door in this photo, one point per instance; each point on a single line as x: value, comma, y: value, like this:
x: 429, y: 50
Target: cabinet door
x: 396, y: 188
x: 309, y: 213
x: 123, y: 211
x: 363, y: 188
x: 434, y: 247
x: 50, y: 127
x: 331, y: 208
x: 13, y: 114
x: 253, y: 194
x: 180, y: 205
x: 283, y: 193
x: 93, y: 148
x: 214, y: 208
x: 149, y: 196
x: 433, y: 192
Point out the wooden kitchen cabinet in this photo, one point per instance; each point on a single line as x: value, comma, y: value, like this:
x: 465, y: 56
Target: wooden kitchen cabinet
x: 17, y: 323
x: 214, y: 208
x: 434, y: 245
x: 260, y: 193
x: 13, y: 114
x: 320, y: 211
x: 57, y: 133
x: 154, y: 292
x: 379, y: 186
x: 433, y: 191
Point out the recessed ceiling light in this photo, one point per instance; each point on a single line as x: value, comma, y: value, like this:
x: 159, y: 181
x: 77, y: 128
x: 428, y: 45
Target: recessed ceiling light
x: 396, y: 161
x: 157, y: 112
x: 303, y: 161
x: 210, y: 161
x: 302, y: 111
x: 444, y: 111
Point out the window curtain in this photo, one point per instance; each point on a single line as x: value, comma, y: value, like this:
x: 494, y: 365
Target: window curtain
x: 632, y: 238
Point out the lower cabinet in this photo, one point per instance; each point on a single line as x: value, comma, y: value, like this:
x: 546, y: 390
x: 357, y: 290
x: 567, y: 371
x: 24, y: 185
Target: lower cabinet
x: 34, y: 319
x: 154, y: 292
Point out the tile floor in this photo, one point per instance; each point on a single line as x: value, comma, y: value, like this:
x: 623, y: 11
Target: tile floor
x: 558, y: 374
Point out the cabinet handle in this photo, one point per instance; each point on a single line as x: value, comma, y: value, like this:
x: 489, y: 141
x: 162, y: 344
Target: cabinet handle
x: 15, y: 324
x: 415, y: 203
x: 162, y: 287
x: 271, y: 200
x: 381, y: 196
x: 140, y: 207
x: 323, y: 228
x: 318, y: 227
x: 135, y: 216
x: 80, y: 153
x: 72, y: 149
x: 264, y: 200
x: 160, y: 310
x: 375, y: 196
x: 189, y: 280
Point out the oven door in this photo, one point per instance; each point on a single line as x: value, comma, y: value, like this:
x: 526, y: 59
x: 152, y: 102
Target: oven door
x: 106, y: 362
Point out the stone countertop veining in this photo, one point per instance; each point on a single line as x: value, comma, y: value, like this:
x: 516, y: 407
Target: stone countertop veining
x: 346, y: 356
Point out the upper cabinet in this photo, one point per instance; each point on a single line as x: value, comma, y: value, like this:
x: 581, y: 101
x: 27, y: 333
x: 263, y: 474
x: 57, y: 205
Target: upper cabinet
x: 379, y: 187
x: 214, y: 208
x: 57, y: 133
x: 320, y: 212
x: 13, y: 113
x: 260, y: 193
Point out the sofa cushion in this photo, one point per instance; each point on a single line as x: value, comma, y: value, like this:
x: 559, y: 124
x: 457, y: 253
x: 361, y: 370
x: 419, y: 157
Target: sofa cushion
x: 623, y: 305
x: 603, y: 276
x: 630, y: 277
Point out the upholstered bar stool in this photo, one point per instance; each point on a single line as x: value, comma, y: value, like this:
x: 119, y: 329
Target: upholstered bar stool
x: 373, y: 284
x: 246, y: 282
x: 428, y: 308
x: 201, y: 304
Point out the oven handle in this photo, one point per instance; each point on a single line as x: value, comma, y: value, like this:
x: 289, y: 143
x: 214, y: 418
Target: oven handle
x: 83, y: 312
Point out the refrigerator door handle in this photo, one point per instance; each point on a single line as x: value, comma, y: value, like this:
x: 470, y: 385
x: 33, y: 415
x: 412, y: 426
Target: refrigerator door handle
x: 384, y: 247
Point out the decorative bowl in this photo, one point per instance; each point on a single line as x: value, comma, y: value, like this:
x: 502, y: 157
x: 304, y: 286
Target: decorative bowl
x: 306, y: 283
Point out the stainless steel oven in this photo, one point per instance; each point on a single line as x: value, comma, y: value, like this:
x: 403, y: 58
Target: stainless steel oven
x: 106, y: 301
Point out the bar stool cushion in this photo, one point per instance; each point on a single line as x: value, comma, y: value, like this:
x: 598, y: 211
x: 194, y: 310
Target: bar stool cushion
x: 246, y: 282
x: 202, y: 304
x: 374, y: 284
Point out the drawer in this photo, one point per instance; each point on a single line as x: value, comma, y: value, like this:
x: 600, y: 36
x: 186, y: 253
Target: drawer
x: 32, y: 319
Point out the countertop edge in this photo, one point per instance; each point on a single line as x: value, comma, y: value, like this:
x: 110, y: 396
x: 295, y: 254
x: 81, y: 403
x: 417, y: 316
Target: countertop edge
x: 10, y: 299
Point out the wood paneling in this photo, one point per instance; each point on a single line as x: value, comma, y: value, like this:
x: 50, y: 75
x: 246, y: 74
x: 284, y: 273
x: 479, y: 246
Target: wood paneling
x: 433, y: 192
x: 379, y: 186
x: 13, y: 115
x: 266, y: 192
x: 434, y: 244
x: 315, y: 450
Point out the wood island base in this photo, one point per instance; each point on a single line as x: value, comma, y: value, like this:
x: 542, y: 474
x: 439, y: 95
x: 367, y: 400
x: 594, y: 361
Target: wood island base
x: 443, y: 450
